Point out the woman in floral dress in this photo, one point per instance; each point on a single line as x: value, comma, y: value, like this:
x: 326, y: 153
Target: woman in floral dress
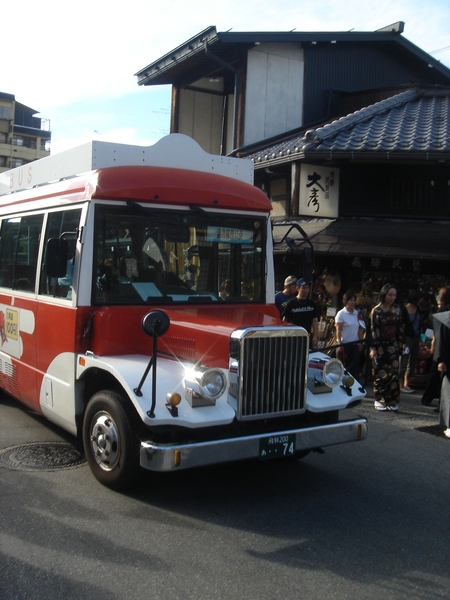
x: 387, y: 342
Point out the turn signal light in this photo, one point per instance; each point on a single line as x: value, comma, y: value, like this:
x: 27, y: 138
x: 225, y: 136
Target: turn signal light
x: 173, y: 399
x: 349, y: 381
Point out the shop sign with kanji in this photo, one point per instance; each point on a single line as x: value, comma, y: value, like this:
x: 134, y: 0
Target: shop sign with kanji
x: 319, y: 191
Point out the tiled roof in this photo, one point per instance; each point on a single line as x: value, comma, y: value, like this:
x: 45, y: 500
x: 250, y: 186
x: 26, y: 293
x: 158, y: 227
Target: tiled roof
x: 410, y: 124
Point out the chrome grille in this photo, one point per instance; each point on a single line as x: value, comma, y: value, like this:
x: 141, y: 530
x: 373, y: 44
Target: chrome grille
x: 271, y: 372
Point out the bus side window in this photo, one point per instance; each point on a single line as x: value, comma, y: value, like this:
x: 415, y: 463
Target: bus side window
x: 63, y: 222
x: 18, y: 252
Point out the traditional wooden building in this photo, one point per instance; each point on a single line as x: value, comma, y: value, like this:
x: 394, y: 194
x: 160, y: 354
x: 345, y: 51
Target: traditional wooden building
x: 350, y: 137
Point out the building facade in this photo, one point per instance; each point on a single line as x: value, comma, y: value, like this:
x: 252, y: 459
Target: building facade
x: 23, y: 137
x: 371, y: 190
x: 349, y: 133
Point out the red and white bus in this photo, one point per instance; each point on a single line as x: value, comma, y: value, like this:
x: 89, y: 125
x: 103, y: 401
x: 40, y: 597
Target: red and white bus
x: 136, y: 312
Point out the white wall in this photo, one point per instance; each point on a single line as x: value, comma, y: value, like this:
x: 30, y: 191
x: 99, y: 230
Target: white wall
x: 274, y: 92
x: 201, y: 118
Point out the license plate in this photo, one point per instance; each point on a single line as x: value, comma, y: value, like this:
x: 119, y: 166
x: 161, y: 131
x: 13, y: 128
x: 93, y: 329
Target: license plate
x: 277, y: 446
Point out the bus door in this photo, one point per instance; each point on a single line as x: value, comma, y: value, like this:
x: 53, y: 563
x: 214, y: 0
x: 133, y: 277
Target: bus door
x: 57, y: 317
x: 19, y: 248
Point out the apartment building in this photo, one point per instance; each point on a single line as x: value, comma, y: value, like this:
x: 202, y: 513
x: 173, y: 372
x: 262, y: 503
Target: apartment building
x: 23, y: 137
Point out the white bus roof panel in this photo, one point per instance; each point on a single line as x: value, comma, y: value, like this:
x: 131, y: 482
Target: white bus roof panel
x: 175, y: 151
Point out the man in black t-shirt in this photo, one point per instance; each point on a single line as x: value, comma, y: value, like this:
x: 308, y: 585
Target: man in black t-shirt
x: 302, y: 311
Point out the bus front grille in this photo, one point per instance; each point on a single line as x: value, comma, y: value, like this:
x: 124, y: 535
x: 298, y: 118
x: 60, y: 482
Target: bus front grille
x: 271, y: 373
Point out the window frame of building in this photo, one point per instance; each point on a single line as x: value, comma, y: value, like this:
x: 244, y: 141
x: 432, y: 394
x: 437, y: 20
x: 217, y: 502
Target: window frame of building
x: 17, y: 162
x: 5, y: 113
x: 24, y: 141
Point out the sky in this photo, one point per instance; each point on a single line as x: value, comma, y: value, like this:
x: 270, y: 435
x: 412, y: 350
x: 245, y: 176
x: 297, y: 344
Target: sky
x: 75, y: 63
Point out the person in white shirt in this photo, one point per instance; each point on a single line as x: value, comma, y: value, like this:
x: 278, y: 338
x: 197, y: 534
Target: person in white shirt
x: 347, y: 330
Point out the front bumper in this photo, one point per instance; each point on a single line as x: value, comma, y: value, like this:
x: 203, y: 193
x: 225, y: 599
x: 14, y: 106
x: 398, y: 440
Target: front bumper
x: 168, y: 457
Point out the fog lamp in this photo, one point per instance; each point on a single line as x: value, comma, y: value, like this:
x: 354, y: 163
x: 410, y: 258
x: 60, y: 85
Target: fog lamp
x: 333, y: 372
x: 324, y: 373
x: 212, y: 383
x: 204, y: 386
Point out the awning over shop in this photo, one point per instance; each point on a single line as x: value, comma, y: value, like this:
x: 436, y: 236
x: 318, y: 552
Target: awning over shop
x: 396, y: 238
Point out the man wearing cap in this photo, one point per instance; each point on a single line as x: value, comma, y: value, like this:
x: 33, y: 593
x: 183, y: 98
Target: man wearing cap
x: 303, y: 312
x: 289, y: 292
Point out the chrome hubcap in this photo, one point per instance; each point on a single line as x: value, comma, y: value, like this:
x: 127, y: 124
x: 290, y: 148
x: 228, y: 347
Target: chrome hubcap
x: 105, y: 441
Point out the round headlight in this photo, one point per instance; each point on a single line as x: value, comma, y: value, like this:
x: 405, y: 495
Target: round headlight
x: 212, y: 383
x: 333, y: 372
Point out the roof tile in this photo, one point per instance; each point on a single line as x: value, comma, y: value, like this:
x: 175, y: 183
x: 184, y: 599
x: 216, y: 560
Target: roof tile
x: 414, y: 121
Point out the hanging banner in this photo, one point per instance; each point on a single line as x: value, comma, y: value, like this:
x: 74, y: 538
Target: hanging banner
x: 319, y: 191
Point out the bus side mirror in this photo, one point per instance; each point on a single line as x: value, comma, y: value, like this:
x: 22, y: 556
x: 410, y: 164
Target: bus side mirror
x: 56, y: 257
x: 155, y: 323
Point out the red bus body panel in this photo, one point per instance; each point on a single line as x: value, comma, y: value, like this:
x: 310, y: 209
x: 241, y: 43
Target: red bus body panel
x: 195, y: 333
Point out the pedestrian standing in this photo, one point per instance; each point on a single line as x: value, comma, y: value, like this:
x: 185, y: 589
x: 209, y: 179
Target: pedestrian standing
x: 442, y: 357
x: 302, y: 311
x: 387, y: 342
x: 433, y: 386
x: 288, y: 293
x: 412, y: 323
x: 347, y: 331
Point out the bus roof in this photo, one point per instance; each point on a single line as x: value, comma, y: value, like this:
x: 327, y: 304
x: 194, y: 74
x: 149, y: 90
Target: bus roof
x: 174, y: 151
x: 150, y: 185
x: 170, y: 185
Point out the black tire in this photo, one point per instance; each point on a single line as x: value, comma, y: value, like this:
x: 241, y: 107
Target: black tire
x: 110, y: 446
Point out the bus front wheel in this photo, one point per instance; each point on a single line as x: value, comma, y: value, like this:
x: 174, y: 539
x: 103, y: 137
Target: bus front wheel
x: 110, y: 446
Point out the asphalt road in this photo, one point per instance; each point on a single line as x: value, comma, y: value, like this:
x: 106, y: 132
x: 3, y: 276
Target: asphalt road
x: 368, y: 520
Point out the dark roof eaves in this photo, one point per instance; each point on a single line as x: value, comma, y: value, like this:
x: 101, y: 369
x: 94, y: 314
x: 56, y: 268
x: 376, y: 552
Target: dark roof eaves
x: 196, y: 43
x: 230, y: 37
x: 251, y: 37
x: 327, y: 155
x: 421, y: 54
x: 185, y: 50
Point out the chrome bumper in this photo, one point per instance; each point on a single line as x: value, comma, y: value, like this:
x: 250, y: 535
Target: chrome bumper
x: 168, y: 457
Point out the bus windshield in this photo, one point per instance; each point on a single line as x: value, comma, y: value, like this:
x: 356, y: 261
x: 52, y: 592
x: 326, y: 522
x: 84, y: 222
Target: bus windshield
x: 156, y: 256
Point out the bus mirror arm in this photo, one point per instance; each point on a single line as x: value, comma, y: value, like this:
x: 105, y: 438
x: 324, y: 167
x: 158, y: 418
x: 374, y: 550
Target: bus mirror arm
x: 154, y: 324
